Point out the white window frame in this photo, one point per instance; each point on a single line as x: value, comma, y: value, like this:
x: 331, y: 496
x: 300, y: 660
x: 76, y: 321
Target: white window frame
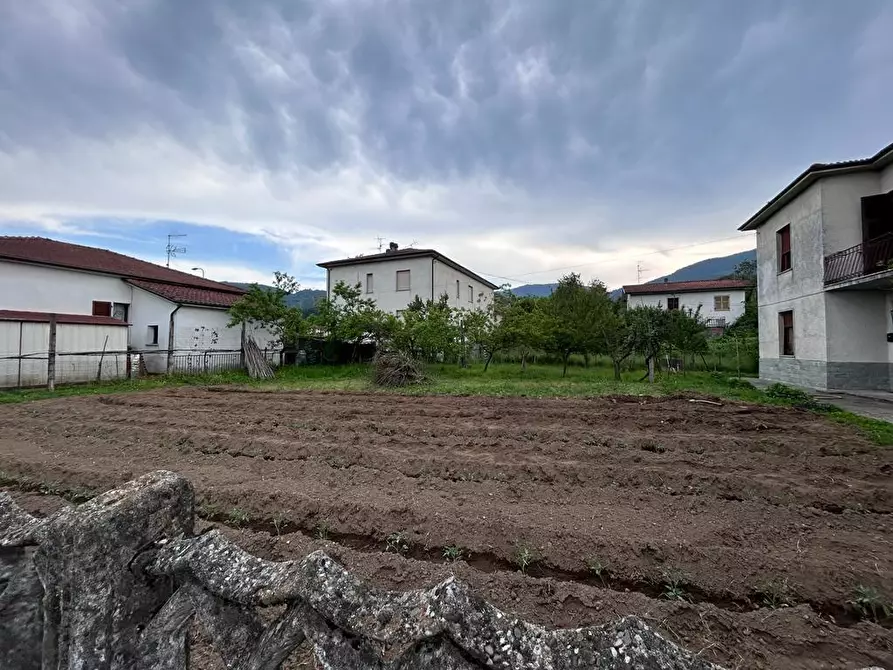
x: 718, y: 301
x: 370, y: 283
x: 152, y: 333
x: 471, y: 293
x: 408, y: 276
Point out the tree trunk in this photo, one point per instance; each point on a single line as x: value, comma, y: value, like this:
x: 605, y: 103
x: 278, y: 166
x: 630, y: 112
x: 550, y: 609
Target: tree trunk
x: 566, y: 356
x: 651, y: 369
x: 586, y: 359
x: 524, y: 361
x: 617, y: 377
x: 489, y: 358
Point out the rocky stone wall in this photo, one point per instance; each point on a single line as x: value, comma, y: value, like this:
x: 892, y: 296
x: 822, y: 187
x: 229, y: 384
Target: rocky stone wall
x: 116, y: 582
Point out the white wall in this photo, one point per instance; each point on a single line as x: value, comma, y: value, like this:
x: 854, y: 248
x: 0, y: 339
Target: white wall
x: 842, y: 208
x: 36, y: 288
x: 149, y: 309
x: 385, y: 292
x: 70, y: 338
x: 702, y: 299
x: 800, y: 289
x: 886, y: 179
x: 857, y: 326
x: 445, y: 278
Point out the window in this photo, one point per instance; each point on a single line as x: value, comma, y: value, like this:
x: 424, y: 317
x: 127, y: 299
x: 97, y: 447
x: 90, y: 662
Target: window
x: 877, y: 216
x: 470, y: 293
x: 152, y: 336
x: 721, y: 303
x: 369, y: 284
x: 402, y: 280
x: 102, y: 308
x: 783, y: 239
x: 120, y: 310
x: 457, y: 289
x: 786, y: 333
x: 672, y: 303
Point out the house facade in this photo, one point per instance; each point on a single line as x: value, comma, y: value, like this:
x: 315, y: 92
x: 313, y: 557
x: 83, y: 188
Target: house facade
x: 720, y: 301
x: 825, y: 277
x: 396, y: 277
x: 175, y: 320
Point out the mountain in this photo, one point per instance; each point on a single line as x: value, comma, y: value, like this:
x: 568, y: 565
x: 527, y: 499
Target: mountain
x: 305, y: 299
x: 711, y: 268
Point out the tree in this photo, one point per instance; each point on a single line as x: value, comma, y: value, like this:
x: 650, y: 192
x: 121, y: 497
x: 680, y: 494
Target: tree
x: 748, y: 323
x: 348, y: 317
x: 427, y: 330
x: 614, y: 333
x: 687, y: 332
x: 523, y: 325
x: 649, y: 332
x: 573, y: 313
x: 266, y: 307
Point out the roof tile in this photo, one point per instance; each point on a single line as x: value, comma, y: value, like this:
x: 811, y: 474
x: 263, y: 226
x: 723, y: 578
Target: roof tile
x: 44, y: 317
x: 187, y: 295
x: 686, y: 286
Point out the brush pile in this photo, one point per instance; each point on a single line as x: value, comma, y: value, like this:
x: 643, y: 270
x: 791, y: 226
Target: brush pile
x: 393, y: 370
x: 258, y: 367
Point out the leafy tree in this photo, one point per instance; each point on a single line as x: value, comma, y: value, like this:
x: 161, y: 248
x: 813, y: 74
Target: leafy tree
x: 573, y: 313
x: 427, y: 330
x: 748, y: 323
x: 649, y: 332
x: 687, y: 332
x: 348, y: 317
x: 266, y: 307
x: 523, y: 324
x: 614, y: 334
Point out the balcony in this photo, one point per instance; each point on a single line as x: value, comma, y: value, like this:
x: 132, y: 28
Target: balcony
x: 869, y: 258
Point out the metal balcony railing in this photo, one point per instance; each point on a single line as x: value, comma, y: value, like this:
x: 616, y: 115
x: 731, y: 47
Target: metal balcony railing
x: 863, y: 259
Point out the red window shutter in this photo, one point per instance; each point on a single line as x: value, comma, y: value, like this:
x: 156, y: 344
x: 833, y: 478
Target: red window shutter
x: 785, y: 240
x: 102, y: 308
x: 787, y: 319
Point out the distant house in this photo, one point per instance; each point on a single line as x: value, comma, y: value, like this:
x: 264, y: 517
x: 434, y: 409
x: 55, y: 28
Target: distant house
x: 176, y: 319
x: 396, y: 277
x: 721, y: 301
x: 825, y: 276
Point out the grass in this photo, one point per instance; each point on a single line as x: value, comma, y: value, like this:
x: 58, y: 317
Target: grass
x: 507, y: 379
x: 524, y: 557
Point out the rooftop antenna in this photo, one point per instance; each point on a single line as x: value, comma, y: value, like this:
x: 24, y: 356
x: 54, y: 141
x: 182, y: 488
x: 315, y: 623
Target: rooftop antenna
x: 414, y: 242
x: 380, y: 243
x: 173, y: 248
x: 640, y: 271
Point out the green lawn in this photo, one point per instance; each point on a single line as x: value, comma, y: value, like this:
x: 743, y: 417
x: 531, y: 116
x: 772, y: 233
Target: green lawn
x: 538, y: 381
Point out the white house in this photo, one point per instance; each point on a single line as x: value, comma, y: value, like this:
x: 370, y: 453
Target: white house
x: 720, y: 301
x: 825, y: 276
x: 396, y: 277
x: 177, y: 320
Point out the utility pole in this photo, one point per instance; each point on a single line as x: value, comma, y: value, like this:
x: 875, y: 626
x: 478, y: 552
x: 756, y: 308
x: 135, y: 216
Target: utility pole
x: 173, y: 248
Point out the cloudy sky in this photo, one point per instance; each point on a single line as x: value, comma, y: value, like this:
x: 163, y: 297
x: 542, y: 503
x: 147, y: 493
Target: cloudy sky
x: 520, y: 137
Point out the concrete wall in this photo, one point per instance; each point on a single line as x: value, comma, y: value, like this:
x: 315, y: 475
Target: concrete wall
x: 702, y: 299
x: 70, y: 339
x: 37, y: 288
x: 445, y: 278
x: 842, y: 208
x: 800, y: 289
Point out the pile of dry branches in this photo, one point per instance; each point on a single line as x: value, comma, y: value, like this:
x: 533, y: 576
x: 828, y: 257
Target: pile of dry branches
x: 395, y: 369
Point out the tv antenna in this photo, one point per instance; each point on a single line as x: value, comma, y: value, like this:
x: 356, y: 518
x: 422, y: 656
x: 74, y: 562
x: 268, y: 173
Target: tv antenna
x: 639, y: 271
x: 414, y: 242
x: 173, y: 248
x: 380, y: 243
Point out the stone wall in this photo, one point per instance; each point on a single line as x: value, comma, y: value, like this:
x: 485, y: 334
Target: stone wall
x: 116, y: 582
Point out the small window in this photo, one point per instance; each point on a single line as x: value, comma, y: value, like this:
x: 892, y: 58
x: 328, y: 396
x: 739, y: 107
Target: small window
x: 721, y: 303
x: 457, y: 289
x: 784, y: 248
x: 120, y: 311
x: 470, y: 293
x: 672, y: 303
x: 402, y: 280
x: 152, y: 336
x: 102, y: 308
x: 786, y: 333
x: 369, y: 283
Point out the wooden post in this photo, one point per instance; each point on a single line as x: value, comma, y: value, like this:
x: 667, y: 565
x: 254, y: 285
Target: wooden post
x: 51, y: 355
x: 651, y: 369
x: 21, y: 331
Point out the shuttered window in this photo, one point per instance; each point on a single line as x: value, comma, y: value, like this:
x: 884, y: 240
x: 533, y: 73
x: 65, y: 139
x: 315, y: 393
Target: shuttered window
x: 402, y: 280
x: 721, y: 303
x: 102, y: 308
x: 786, y: 333
x: 784, y: 249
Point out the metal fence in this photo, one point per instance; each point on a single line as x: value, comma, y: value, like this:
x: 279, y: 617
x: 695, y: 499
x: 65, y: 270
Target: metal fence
x: 204, y: 362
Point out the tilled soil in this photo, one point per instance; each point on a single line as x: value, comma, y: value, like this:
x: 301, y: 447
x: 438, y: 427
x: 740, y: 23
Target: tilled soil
x: 622, y: 504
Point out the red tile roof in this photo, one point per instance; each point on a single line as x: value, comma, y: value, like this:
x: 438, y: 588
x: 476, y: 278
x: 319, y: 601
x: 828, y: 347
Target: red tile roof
x: 656, y: 288
x: 63, y: 254
x: 188, y: 295
x: 44, y: 317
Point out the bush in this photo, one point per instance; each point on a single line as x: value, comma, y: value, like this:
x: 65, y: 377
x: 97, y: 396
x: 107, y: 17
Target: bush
x: 395, y: 370
x: 796, y: 398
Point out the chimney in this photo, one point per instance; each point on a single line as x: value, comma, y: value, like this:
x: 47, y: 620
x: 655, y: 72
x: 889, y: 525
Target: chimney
x: 392, y: 247
x: 666, y: 280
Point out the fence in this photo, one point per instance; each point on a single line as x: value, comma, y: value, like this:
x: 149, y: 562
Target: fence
x: 117, y: 582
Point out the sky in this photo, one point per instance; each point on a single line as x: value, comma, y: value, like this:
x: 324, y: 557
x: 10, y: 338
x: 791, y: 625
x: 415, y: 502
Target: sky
x: 523, y: 138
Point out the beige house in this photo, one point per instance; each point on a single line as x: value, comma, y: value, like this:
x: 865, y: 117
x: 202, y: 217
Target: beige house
x: 825, y: 276
x: 396, y: 277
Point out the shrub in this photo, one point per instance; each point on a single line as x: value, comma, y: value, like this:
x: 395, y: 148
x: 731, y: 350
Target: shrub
x: 394, y: 370
x: 796, y: 398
